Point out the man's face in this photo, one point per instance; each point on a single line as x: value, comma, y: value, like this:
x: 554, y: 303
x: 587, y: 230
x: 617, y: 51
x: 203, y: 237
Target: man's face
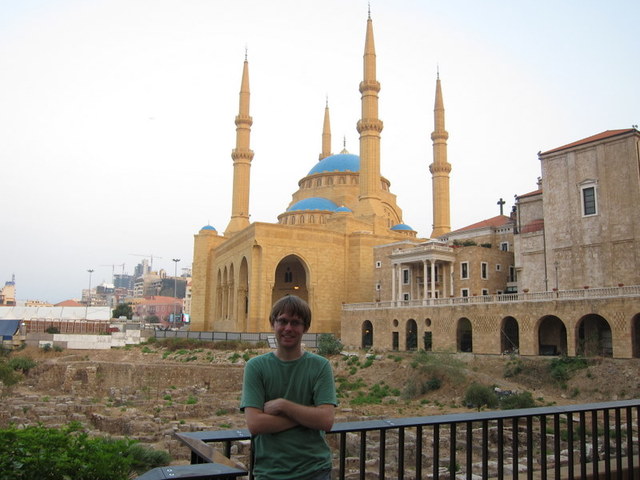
x: 288, y: 329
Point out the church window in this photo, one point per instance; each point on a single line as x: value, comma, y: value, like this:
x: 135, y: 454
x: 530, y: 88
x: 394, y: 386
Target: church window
x: 288, y: 276
x: 378, y: 264
x: 312, y: 219
x: 342, y: 181
x: 293, y: 219
x: 406, y: 279
x: 504, y: 246
x: 319, y: 182
x: 484, y: 267
x: 301, y: 219
x: 589, y: 201
x: 464, y: 270
x: 329, y: 180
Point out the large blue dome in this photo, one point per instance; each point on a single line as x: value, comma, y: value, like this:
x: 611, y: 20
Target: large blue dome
x: 342, y: 162
x: 402, y: 226
x: 314, y: 203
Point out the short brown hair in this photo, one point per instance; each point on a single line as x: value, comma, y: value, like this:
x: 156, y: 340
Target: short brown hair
x: 294, y: 306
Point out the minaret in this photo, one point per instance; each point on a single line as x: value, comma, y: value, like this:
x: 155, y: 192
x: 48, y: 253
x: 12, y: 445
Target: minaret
x: 326, y: 134
x: 369, y: 128
x: 242, y: 156
x: 440, y: 169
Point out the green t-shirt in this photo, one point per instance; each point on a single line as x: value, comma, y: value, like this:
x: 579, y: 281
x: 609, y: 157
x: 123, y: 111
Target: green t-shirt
x: 300, y: 451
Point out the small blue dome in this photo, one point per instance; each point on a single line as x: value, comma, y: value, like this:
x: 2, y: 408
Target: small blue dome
x: 343, y: 209
x: 342, y: 162
x: 208, y: 227
x: 402, y: 226
x: 313, y: 203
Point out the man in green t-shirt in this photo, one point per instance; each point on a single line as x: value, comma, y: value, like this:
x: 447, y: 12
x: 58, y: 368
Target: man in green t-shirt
x: 289, y: 398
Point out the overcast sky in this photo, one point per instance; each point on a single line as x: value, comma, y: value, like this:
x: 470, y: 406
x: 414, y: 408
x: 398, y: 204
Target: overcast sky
x: 117, y: 116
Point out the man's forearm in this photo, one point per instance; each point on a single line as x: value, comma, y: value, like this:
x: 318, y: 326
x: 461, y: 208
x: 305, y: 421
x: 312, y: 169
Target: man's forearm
x: 319, y: 417
x: 259, y: 422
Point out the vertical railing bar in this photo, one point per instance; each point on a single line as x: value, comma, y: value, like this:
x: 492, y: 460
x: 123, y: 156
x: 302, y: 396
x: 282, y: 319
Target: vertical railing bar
x: 556, y: 443
x: 570, y: 454
x: 401, y: 453
x: 469, y: 447
x: 436, y: 452
x: 383, y: 453
x: 500, y: 449
x: 630, y: 443
x: 607, y: 443
x: 485, y: 449
x: 514, y: 446
x: 583, y: 445
x: 343, y: 455
x: 419, y: 451
x: 543, y: 447
x: 251, y: 457
x: 529, y: 447
x: 618, y: 426
x: 452, y: 451
x: 594, y: 442
x: 227, y: 449
x: 363, y: 454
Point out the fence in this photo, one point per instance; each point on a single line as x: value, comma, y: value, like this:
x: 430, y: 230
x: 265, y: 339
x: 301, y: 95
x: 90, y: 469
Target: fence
x: 308, y: 339
x: 590, y: 441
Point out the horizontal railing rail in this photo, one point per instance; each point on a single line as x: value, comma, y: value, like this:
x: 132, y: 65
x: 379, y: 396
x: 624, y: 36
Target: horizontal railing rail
x: 597, y: 440
x: 578, y: 294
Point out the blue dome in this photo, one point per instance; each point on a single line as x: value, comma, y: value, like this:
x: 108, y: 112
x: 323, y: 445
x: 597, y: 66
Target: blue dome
x: 208, y: 227
x: 313, y: 203
x: 343, y: 209
x: 402, y: 226
x: 342, y: 162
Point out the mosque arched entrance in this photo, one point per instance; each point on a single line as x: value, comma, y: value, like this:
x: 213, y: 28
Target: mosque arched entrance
x: 635, y: 335
x: 411, y: 335
x: 509, y: 336
x: 594, y: 337
x: 243, y: 294
x: 464, y: 335
x: 552, y: 336
x: 367, y: 334
x: 290, y: 279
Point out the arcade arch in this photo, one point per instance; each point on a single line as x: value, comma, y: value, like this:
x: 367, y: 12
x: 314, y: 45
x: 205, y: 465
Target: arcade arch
x: 464, y: 335
x: 509, y: 336
x: 411, y: 335
x: 367, y: 334
x: 552, y: 336
x: 594, y: 336
x: 291, y: 278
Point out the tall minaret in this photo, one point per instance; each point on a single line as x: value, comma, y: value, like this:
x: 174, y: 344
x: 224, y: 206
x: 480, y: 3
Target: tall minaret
x: 326, y: 134
x: 440, y: 169
x: 369, y: 128
x: 242, y: 156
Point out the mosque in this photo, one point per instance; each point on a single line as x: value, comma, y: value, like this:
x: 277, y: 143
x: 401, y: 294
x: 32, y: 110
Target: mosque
x: 322, y: 247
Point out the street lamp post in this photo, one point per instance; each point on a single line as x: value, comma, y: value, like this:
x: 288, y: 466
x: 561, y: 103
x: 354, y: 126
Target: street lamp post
x: 175, y: 288
x: 86, y: 308
x: 556, y: 264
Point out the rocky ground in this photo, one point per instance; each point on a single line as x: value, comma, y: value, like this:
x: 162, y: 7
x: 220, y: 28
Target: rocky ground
x: 148, y: 392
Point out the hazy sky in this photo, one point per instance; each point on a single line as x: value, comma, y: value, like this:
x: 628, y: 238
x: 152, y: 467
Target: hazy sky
x: 117, y: 116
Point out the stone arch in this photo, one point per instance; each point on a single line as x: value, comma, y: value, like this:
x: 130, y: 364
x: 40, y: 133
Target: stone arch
x: 243, y: 294
x: 509, y: 335
x: 411, y: 335
x: 635, y: 335
x: 295, y: 282
x: 367, y: 334
x: 218, y: 310
x: 231, y: 293
x: 593, y: 336
x: 552, y: 336
x: 464, y: 335
x: 225, y: 293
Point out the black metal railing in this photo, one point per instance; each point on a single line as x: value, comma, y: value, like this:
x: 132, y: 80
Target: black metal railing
x: 589, y: 441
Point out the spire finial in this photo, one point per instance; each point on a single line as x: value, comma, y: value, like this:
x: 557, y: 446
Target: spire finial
x: 246, y: 52
x: 369, y: 10
x: 437, y: 71
x: 326, y: 104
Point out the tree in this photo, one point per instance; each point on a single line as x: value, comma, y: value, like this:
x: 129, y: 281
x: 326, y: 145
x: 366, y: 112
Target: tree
x: 123, y: 310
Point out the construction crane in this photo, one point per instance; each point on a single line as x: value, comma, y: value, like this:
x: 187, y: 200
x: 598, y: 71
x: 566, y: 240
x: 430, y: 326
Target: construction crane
x: 113, y: 269
x: 150, y: 256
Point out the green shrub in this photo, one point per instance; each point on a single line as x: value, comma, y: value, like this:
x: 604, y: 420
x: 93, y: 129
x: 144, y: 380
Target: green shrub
x: 517, y: 400
x: 561, y: 369
x: 23, y: 364
x: 479, y: 396
x: 69, y: 453
x: 52, y: 329
x: 328, y: 345
x: 8, y: 376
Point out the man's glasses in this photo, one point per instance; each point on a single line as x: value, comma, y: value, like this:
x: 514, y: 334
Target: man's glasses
x: 283, y: 322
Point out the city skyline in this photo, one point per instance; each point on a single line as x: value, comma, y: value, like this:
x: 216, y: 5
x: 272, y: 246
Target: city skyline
x: 118, y: 129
